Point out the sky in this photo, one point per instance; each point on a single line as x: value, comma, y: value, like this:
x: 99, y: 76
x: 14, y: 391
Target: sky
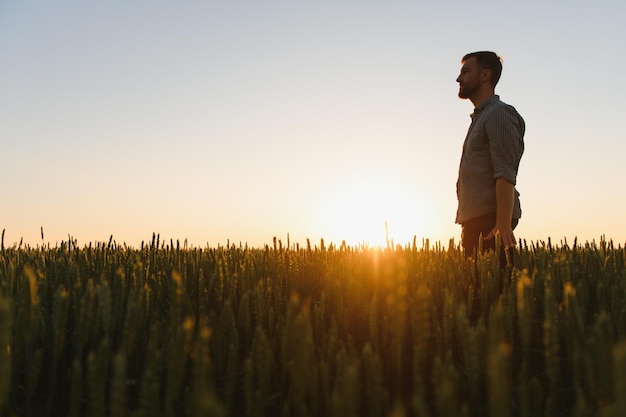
x: 217, y: 122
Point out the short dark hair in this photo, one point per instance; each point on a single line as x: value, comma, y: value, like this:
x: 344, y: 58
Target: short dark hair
x: 487, y: 60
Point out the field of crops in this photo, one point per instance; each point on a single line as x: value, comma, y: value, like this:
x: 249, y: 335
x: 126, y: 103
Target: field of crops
x: 322, y: 330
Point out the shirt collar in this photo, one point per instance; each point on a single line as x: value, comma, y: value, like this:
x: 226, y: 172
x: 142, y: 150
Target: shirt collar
x: 485, y: 103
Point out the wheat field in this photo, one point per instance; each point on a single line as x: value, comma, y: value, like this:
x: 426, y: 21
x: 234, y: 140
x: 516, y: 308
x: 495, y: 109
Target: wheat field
x: 321, y: 330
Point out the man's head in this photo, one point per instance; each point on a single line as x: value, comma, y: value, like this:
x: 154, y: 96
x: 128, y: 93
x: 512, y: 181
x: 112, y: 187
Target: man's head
x: 487, y: 60
x: 479, y: 75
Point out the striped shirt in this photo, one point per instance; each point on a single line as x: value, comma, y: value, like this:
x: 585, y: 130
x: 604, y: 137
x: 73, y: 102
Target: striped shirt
x: 492, y: 149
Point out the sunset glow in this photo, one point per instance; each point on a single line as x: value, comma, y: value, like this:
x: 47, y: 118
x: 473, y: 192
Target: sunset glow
x: 373, y: 211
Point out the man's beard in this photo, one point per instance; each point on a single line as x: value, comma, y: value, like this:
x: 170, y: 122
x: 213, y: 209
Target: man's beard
x: 466, y: 91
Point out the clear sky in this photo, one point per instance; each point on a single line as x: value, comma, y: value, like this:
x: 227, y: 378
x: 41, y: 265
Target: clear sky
x: 238, y: 121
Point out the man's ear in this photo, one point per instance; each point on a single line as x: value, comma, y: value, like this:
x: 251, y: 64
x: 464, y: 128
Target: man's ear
x: 485, y: 76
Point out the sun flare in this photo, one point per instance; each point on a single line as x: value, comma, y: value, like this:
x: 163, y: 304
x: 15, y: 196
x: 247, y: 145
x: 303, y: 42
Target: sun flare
x: 372, y: 211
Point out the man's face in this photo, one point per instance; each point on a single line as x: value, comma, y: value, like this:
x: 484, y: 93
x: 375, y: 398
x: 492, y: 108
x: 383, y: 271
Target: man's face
x: 469, y: 78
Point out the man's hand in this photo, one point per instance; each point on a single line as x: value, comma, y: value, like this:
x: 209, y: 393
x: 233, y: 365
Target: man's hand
x: 506, y: 234
x: 504, y: 199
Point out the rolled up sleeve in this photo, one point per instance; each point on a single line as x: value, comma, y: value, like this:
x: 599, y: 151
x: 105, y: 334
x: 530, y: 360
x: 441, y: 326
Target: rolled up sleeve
x: 505, y: 131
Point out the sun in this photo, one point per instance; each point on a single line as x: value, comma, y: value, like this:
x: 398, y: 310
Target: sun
x: 373, y: 211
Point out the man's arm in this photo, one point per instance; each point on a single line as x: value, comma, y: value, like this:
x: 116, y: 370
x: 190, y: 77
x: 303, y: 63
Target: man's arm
x: 505, y: 198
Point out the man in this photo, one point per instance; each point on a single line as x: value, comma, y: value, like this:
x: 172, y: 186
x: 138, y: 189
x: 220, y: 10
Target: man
x: 488, y: 201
